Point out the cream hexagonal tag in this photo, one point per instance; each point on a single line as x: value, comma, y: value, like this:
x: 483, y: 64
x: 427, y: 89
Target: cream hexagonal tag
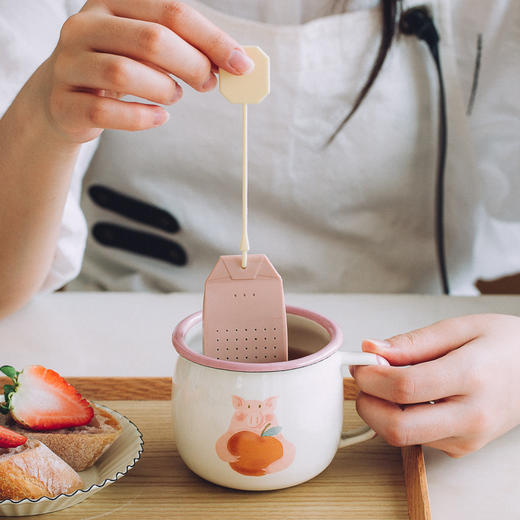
x: 249, y: 88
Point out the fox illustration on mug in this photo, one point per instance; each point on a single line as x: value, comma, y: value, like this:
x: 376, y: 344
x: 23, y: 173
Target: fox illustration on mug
x: 253, y: 444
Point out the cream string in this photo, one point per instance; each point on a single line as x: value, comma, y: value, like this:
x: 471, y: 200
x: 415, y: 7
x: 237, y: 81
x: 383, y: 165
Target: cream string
x: 244, y: 243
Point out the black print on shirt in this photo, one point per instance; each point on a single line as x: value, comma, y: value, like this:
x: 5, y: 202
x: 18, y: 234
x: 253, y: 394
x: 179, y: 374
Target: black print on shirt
x: 133, y: 209
x: 139, y: 242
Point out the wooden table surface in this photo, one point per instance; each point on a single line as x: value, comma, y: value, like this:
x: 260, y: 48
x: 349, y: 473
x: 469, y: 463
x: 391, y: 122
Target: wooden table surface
x: 362, y: 482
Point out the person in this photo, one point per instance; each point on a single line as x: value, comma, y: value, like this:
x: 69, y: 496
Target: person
x: 341, y: 185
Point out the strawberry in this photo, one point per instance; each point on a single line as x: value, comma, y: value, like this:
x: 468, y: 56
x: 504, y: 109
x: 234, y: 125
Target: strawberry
x: 40, y: 399
x: 10, y: 439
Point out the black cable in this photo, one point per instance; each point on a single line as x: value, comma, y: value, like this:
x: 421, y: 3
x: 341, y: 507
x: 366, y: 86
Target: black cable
x: 441, y: 166
x: 417, y: 21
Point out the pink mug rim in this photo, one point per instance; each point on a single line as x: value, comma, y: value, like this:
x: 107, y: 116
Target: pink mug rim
x: 335, y: 342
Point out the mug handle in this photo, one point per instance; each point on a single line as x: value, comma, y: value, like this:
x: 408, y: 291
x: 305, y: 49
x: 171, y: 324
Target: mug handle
x: 365, y: 433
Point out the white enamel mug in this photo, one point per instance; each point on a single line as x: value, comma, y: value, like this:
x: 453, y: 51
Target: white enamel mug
x: 260, y: 426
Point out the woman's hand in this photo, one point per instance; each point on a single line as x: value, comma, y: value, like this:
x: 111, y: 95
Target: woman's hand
x: 113, y: 48
x: 470, y: 367
x: 109, y: 49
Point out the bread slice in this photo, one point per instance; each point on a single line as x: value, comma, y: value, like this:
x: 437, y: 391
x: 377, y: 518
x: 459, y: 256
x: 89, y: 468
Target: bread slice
x: 34, y: 471
x: 80, y: 447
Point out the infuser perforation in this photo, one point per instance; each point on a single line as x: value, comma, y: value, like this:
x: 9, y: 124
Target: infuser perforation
x: 237, y: 340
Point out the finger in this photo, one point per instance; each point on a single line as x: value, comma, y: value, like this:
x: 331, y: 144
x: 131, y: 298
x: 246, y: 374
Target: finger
x: 445, y: 377
x: 87, y: 110
x: 418, y: 424
x: 144, y: 42
x: 191, y: 26
x: 454, y: 446
x: 118, y: 74
x: 427, y: 343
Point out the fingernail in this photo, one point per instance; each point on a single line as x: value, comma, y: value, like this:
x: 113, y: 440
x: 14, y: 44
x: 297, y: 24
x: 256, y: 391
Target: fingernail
x: 378, y: 343
x: 241, y: 62
x: 382, y: 361
x: 209, y: 83
x: 177, y: 94
x: 161, y: 117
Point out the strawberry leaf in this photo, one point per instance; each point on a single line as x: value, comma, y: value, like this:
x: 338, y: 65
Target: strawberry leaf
x: 8, y: 391
x: 275, y: 430
x: 10, y: 372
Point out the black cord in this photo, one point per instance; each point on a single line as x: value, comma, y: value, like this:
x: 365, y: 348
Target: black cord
x: 441, y: 167
x: 418, y: 21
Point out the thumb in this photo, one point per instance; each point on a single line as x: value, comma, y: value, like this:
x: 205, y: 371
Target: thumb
x: 427, y: 343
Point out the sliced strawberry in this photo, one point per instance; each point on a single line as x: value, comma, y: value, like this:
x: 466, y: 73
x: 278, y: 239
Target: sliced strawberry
x: 10, y: 439
x: 41, y: 399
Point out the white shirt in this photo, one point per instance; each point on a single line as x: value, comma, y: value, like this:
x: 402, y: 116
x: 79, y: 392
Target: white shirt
x: 355, y: 216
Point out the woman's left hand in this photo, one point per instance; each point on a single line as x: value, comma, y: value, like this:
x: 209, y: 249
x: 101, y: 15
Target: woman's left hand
x: 468, y: 366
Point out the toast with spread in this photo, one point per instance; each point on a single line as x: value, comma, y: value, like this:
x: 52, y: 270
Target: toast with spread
x: 48, y: 433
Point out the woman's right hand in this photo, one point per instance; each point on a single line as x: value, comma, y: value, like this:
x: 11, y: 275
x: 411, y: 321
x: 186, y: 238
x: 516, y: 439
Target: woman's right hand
x: 113, y: 48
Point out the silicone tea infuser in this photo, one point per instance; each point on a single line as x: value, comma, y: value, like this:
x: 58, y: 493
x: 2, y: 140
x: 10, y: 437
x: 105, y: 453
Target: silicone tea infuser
x: 243, y: 314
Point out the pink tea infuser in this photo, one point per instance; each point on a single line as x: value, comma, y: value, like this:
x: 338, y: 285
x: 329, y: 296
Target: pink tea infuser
x: 244, y: 316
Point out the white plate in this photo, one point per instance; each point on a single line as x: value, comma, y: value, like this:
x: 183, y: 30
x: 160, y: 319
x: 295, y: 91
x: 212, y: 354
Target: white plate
x: 119, y: 459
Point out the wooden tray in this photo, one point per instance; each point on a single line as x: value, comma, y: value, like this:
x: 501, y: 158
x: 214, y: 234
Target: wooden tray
x: 369, y: 481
